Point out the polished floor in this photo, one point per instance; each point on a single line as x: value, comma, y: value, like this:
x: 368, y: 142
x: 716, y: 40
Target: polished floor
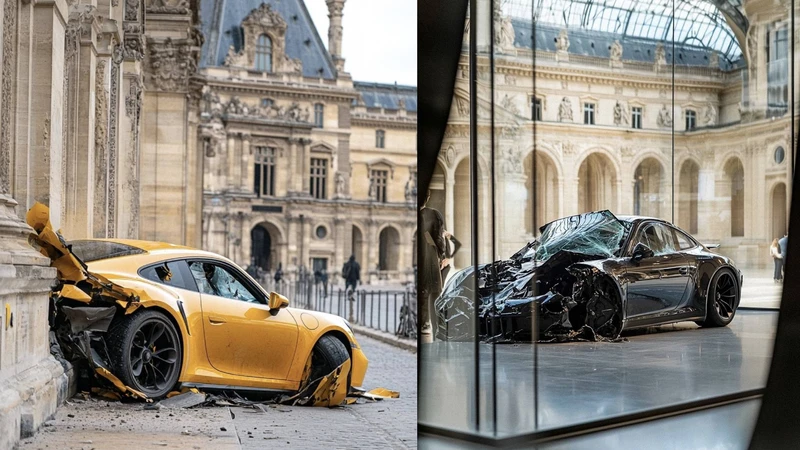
x: 724, y: 428
x: 579, y: 382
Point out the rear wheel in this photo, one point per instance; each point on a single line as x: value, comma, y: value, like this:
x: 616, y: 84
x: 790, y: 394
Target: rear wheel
x: 722, y: 300
x: 145, y: 352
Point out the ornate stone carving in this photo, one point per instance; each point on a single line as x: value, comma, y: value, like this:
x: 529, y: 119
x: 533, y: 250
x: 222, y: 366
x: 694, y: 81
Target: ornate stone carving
x: 236, y: 107
x: 171, y: 64
x: 116, y: 60
x: 450, y: 155
x: 133, y: 47
x: 664, y: 118
x: 6, y: 107
x: 568, y: 148
x: 615, y: 51
x: 508, y: 104
x: 565, y: 110
x: 462, y: 106
x: 214, y: 135
x: 621, y: 116
x: 132, y: 9
x: 100, y: 148
x: 167, y: 6
x: 509, y: 131
x: 626, y: 152
x: 264, y: 21
x: 562, y: 41
x: 511, y: 160
x: 711, y: 115
x: 511, y: 80
x: 133, y: 100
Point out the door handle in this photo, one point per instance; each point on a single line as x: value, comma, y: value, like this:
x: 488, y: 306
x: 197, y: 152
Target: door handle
x: 684, y: 270
x: 215, y: 320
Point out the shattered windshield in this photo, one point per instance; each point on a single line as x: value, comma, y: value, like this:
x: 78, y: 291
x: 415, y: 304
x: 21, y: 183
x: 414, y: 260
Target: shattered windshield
x: 597, y: 233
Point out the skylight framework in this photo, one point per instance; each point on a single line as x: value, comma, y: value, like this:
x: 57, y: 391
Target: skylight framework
x: 696, y: 23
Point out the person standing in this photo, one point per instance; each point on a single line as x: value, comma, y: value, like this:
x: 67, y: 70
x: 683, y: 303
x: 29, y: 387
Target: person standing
x: 278, y: 276
x: 784, y: 244
x: 431, y: 263
x: 777, y: 259
x: 451, y: 247
x: 351, y: 272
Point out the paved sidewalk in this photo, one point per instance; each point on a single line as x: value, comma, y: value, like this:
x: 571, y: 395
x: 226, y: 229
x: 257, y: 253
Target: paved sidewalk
x: 759, y: 290
x: 97, y: 424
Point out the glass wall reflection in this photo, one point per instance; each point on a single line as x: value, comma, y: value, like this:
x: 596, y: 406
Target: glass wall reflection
x: 678, y: 110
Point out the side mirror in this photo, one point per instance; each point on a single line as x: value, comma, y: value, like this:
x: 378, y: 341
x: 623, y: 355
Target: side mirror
x: 277, y: 301
x: 640, y: 252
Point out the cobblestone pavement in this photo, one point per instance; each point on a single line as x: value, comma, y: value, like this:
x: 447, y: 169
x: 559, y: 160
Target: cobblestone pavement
x: 97, y: 424
x: 385, y: 424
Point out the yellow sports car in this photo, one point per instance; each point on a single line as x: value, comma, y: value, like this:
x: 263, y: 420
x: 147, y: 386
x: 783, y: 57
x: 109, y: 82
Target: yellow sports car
x: 156, y: 316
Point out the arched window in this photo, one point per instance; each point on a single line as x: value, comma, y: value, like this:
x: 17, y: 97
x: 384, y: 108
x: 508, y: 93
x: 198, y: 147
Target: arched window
x: 319, y: 115
x: 264, y: 53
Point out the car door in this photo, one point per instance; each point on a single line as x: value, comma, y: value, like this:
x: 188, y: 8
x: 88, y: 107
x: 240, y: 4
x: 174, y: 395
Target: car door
x: 242, y: 336
x: 654, y: 284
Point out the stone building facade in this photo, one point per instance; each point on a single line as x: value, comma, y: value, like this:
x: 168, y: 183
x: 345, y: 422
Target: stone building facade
x: 302, y: 165
x: 118, y: 116
x: 601, y: 118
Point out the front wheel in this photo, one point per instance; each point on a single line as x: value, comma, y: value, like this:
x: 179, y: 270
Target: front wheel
x: 145, y: 352
x: 722, y: 300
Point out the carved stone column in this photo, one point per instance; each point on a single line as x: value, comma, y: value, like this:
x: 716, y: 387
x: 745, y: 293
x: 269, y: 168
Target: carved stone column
x: 230, y: 159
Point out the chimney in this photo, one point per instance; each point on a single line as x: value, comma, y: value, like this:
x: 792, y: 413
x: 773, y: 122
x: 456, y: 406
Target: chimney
x: 335, y: 14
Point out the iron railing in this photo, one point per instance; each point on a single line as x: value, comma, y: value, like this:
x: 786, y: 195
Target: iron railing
x: 390, y: 311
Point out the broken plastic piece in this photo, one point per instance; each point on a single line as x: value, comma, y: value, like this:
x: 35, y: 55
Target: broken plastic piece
x: 120, y: 385
x: 88, y: 318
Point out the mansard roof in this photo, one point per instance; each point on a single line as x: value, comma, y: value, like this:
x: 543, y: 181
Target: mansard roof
x: 221, y: 26
x: 387, y: 96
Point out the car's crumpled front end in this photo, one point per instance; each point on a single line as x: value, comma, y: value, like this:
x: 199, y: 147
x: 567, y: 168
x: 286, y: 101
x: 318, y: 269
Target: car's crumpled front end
x: 558, y: 277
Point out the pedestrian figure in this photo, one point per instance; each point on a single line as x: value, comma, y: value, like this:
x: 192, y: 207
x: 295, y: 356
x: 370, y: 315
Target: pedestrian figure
x: 351, y: 272
x: 431, y: 264
x: 323, y: 276
x: 777, y: 259
x: 784, y: 245
x: 278, y: 276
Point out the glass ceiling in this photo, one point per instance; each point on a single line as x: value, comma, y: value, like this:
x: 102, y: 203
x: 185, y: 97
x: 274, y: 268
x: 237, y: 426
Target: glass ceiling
x: 698, y: 23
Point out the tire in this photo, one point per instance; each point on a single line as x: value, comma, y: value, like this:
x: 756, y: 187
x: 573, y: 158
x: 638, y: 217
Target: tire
x: 328, y: 354
x: 722, y: 299
x: 148, y: 343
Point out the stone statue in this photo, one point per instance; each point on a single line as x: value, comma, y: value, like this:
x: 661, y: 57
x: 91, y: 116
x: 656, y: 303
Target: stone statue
x: 621, y: 114
x: 664, y: 117
x: 711, y: 115
x: 411, y: 187
x: 565, y: 110
x: 508, y: 104
x: 661, y: 55
x: 504, y: 34
x: 562, y: 42
x: 511, y: 160
x: 615, y: 52
x: 339, y: 181
x: 235, y: 59
x: 713, y: 60
x: 371, y: 193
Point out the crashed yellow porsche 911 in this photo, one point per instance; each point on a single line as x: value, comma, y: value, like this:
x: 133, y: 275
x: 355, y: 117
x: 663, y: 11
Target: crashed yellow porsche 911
x: 151, y: 317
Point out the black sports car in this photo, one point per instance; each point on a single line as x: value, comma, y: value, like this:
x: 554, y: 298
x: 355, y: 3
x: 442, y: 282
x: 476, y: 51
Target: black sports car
x: 589, y: 277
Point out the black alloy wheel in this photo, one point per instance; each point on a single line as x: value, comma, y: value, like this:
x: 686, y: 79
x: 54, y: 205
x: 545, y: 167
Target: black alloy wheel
x: 723, y: 299
x: 146, y: 352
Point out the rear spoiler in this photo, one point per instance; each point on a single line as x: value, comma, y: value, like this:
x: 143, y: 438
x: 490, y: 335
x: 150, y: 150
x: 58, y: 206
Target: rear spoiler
x: 711, y: 246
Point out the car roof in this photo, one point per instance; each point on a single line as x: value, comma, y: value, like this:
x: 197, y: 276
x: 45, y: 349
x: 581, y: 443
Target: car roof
x: 640, y: 218
x: 156, y: 247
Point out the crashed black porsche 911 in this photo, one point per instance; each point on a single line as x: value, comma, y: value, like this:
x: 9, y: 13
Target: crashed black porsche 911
x: 590, y: 276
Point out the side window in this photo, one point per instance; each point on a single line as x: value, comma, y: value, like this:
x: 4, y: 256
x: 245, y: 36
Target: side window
x: 649, y: 236
x: 684, y: 242
x: 217, y: 280
x: 168, y: 272
x: 667, y: 239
